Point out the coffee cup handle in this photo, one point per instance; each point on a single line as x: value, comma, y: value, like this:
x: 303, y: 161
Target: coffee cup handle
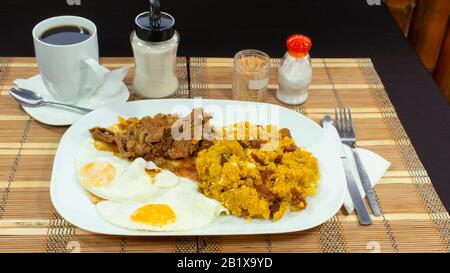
x: 97, y: 72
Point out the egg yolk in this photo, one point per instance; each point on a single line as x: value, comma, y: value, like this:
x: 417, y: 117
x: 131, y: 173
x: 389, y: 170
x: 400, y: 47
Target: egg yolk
x: 154, y: 215
x: 97, y: 174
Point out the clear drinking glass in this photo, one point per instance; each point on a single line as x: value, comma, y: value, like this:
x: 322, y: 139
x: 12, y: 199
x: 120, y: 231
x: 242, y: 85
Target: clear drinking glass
x: 250, y: 75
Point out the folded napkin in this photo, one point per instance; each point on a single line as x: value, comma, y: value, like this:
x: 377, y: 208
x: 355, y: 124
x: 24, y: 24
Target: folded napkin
x: 375, y: 167
x: 110, y: 89
x: 108, y: 92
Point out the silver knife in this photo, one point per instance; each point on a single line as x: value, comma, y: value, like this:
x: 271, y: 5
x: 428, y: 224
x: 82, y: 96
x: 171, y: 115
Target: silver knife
x: 365, y: 181
x: 358, y: 202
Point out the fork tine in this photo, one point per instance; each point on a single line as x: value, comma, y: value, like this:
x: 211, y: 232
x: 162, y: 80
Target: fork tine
x: 345, y: 123
x: 341, y: 123
x: 336, y: 120
x: 350, y: 123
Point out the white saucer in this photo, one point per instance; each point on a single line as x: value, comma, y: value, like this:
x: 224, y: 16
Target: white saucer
x: 58, y: 117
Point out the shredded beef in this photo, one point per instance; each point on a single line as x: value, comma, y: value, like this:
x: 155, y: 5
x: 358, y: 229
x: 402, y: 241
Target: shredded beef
x: 289, y: 149
x: 151, y: 137
x: 182, y: 149
x: 258, y: 160
x: 245, y: 213
x: 265, y: 175
x: 285, y: 132
x: 297, y: 197
x: 102, y: 134
x: 275, y: 207
x: 223, y: 160
x: 262, y: 189
x: 205, y: 144
x: 254, y: 143
x: 278, y: 159
x: 243, y: 144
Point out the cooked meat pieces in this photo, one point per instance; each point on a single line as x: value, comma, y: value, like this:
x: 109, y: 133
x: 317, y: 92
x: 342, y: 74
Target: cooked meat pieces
x: 223, y: 160
x: 262, y: 189
x: 275, y: 207
x: 290, y: 149
x: 182, y: 149
x: 278, y: 159
x: 153, y: 134
x: 258, y: 160
x: 285, y: 132
x: 102, y: 134
x: 297, y: 198
x: 151, y: 137
x: 254, y: 143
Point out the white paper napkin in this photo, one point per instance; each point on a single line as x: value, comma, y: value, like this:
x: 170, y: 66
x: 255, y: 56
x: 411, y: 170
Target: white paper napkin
x: 107, y: 93
x: 375, y: 167
x: 112, y: 90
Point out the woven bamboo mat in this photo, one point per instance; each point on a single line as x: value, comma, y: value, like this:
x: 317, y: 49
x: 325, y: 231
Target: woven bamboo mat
x: 414, y: 218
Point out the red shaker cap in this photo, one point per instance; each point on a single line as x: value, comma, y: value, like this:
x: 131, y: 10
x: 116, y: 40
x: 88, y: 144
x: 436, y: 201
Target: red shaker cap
x: 298, y: 45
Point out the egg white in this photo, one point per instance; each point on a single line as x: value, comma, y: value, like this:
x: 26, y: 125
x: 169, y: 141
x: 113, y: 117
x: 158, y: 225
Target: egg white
x: 87, y: 152
x: 164, y: 179
x: 131, y: 181
x: 192, y: 209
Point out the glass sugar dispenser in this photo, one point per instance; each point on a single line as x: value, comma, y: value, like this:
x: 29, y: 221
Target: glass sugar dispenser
x: 155, y: 43
x: 295, y: 71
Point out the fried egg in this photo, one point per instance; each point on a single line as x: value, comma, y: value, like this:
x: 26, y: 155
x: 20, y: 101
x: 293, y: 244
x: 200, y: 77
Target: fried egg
x: 159, y: 177
x: 112, y: 178
x: 101, y: 174
x: 87, y: 152
x: 181, y: 208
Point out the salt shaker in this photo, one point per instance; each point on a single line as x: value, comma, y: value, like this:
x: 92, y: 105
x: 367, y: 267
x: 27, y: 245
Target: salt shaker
x: 295, y: 72
x: 155, y: 43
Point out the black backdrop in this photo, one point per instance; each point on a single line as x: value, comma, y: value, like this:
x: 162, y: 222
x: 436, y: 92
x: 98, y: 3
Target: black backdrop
x: 339, y: 28
x: 216, y: 27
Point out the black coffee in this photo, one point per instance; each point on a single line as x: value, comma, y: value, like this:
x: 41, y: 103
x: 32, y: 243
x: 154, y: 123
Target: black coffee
x: 65, y: 35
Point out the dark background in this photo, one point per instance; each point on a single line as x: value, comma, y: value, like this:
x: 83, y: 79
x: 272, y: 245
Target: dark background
x: 338, y: 28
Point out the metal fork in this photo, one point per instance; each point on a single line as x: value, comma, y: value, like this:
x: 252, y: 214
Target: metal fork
x: 344, y: 125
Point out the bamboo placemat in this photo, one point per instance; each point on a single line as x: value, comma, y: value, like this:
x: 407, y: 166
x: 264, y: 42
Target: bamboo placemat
x: 414, y: 218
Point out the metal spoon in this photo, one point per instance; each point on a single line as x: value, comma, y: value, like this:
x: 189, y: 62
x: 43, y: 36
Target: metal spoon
x: 33, y: 99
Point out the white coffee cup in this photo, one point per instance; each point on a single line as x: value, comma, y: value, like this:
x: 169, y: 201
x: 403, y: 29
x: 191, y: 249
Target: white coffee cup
x: 69, y: 71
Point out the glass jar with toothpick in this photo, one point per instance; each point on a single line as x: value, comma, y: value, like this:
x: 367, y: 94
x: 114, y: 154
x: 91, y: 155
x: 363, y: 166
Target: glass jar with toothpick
x: 250, y: 75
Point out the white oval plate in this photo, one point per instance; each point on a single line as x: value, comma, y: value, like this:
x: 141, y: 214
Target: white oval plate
x: 72, y: 203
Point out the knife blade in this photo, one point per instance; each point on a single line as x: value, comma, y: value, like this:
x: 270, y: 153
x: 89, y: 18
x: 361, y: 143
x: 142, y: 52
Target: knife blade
x: 365, y: 181
x: 358, y: 202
